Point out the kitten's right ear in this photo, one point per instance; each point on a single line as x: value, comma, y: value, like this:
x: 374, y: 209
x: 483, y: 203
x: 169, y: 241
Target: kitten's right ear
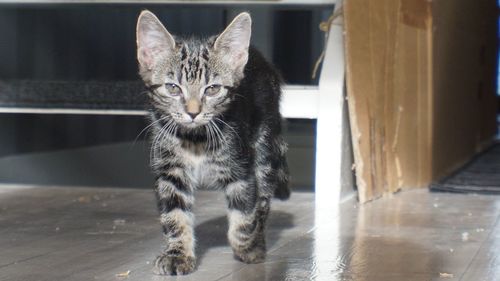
x: 153, y: 39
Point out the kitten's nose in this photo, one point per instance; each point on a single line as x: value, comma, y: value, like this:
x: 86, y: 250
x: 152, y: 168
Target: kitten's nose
x: 193, y: 115
x: 193, y: 107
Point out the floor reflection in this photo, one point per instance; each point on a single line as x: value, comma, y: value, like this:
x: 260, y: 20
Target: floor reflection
x: 412, y: 236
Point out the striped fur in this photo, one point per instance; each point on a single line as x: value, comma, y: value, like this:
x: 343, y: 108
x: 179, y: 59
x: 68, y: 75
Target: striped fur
x: 215, y: 124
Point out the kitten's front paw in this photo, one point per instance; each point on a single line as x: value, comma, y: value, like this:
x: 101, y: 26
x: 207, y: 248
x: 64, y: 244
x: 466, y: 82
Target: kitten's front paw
x: 174, y: 265
x: 256, y: 255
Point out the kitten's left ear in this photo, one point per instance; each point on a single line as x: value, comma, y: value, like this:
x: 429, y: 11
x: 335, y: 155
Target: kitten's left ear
x: 232, y: 44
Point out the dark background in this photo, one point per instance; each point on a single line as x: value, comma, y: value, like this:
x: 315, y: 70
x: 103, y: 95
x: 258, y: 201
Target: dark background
x: 95, y: 44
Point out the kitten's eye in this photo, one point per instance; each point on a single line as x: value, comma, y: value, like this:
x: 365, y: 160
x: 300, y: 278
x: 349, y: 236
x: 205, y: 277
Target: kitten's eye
x: 212, y: 90
x: 173, y: 89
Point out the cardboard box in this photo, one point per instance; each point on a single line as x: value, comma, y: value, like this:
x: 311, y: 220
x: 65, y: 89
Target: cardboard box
x: 421, y: 79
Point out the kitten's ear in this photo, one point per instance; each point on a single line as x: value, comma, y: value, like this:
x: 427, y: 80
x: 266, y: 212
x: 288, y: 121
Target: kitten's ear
x: 233, y: 43
x: 152, y: 38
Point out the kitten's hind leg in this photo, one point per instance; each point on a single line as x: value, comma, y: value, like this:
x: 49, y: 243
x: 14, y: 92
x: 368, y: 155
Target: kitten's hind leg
x: 175, y: 202
x: 247, y: 216
x: 271, y: 167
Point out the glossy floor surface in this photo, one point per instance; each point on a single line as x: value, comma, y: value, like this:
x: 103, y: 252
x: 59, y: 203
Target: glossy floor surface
x: 113, y: 234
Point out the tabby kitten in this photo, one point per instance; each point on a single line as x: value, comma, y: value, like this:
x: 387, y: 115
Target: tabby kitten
x: 216, y: 124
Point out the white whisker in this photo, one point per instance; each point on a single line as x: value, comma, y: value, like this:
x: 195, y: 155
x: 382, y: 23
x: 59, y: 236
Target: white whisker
x: 154, y: 144
x: 168, y: 131
x: 230, y: 128
x: 220, y: 135
x: 149, y: 126
x: 212, y: 137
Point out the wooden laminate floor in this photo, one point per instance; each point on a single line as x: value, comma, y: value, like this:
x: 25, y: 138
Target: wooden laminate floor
x: 58, y: 233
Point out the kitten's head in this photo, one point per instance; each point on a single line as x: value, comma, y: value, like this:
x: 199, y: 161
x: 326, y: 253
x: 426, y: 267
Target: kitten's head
x: 190, y: 79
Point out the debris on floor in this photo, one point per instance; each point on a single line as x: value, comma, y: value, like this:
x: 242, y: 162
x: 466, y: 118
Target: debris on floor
x: 445, y: 275
x: 84, y: 199
x: 119, y: 222
x: 465, y: 236
x: 123, y: 274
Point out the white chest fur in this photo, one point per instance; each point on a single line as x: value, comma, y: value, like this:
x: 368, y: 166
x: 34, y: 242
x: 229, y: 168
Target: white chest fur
x: 198, y: 170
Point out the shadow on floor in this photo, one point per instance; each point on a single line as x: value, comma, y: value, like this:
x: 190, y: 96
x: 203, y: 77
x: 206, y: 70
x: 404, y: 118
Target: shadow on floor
x: 213, y: 233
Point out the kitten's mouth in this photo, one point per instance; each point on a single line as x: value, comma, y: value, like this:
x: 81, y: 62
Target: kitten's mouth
x: 194, y: 124
x: 191, y: 125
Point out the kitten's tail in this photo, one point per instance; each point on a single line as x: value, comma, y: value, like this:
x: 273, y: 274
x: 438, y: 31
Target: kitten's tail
x: 282, y: 192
